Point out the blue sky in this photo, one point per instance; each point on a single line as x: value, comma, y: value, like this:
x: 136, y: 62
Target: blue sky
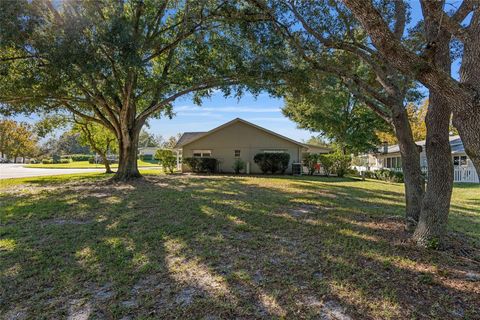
x: 262, y: 110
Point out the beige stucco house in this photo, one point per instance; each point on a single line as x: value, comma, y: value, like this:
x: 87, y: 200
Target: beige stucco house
x: 239, y: 139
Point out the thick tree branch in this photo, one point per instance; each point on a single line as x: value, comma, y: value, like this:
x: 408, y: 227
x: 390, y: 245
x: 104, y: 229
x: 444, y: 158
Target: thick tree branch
x: 203, y: 86
x: 404, y: 60
x: 453, y: 27
x: 400, y: 19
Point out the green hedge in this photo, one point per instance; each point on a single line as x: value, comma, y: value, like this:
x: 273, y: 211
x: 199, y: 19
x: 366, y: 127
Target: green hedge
x: 272, y: 162
x: 77, y: 157
x: 385, y: 175
x: 201, y: 164
x: 56, y: 160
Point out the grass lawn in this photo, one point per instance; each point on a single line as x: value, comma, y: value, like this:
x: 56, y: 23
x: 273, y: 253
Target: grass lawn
x: 223, y: 247
x: 86, y: 164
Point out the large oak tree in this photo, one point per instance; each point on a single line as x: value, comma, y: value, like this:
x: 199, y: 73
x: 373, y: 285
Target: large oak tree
x: 116, y: 63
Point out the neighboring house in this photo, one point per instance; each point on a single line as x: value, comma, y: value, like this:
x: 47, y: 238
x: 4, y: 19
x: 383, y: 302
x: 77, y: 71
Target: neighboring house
x: 239, y: 139
x: 147, y: 153
x: 388, y: 157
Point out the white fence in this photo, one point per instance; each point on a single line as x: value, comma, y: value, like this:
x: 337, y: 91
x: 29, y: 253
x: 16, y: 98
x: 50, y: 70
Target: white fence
x: 466, y: 174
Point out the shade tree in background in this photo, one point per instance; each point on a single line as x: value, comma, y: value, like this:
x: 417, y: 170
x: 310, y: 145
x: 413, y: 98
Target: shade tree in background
x: 102, y: 142
x: 17, y: 139
x: 329, y: 108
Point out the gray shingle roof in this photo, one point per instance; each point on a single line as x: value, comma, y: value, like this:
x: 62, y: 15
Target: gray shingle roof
x: 455, y: 143
x: 187, y: 137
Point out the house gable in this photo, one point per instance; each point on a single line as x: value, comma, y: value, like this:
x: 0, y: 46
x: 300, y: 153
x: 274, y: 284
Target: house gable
x: 242, y: 134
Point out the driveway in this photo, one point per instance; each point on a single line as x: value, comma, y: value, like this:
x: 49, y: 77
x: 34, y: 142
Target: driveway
x: 15, y: 170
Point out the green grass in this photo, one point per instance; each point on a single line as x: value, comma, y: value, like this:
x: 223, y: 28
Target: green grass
x: 228, y: 247
x: 85, y: 165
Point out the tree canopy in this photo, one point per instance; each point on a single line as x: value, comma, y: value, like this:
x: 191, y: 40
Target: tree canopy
x: 117, y: 63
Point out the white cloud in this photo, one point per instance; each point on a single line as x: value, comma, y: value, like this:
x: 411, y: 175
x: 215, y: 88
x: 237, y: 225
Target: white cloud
x: 269, y: 119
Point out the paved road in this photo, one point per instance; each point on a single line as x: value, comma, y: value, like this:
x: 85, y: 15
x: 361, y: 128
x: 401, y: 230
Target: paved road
x: 14, y: 170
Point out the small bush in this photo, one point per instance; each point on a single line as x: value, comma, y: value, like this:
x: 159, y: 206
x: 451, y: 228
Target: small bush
x: 91, y: 159
x: 341, y: 163
x: 238, y: 166
x: 66, y: 160
x: 56, y: 158
x: 272, y: 162
x: 201, y: 164
x: 326, y: 161
x: 47, y: 161
x: 166, y: 159
x: 310, y: 160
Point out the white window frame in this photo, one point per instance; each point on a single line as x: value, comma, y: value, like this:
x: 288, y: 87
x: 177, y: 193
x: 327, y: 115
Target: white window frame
x: 462, y: 161
x: 203, y: 153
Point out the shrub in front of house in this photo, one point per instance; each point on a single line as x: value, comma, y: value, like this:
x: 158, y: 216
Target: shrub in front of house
x: 310, y: 161
x: 238, y: 166
x: 272, y: 162
x: 385, y: 175
x: 326, y: 161
x: 201, y: 164
x: 47, y: 161
x: 166, y: 159
x: 389, y: 175
x: 341, y: 163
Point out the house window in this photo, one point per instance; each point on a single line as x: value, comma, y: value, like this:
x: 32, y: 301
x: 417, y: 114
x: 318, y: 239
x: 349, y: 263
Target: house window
x: 393, y: 162
x: 237, y: 153
x: 202, y: 153
x: 460, y: 160
x: 274, y: 151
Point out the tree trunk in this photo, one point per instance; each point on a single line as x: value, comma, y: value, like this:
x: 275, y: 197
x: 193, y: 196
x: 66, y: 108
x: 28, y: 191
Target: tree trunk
x: 106, y: 163
x: 128, y: 148
x: 432, y: 225
x: 468, y: 126
x: 412, y: 172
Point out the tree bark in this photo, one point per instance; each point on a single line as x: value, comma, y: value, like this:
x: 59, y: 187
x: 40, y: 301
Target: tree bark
x: 467, y: 125
x: 412, y: 172
x: 432, y: 225
x: 128, y: 149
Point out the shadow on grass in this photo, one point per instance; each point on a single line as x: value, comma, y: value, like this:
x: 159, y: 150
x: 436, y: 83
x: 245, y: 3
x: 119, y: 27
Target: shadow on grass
x: 225, y: 247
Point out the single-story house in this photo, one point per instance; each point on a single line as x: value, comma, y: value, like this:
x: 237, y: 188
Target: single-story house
x: 239, y: 139
x: 388, y: 157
